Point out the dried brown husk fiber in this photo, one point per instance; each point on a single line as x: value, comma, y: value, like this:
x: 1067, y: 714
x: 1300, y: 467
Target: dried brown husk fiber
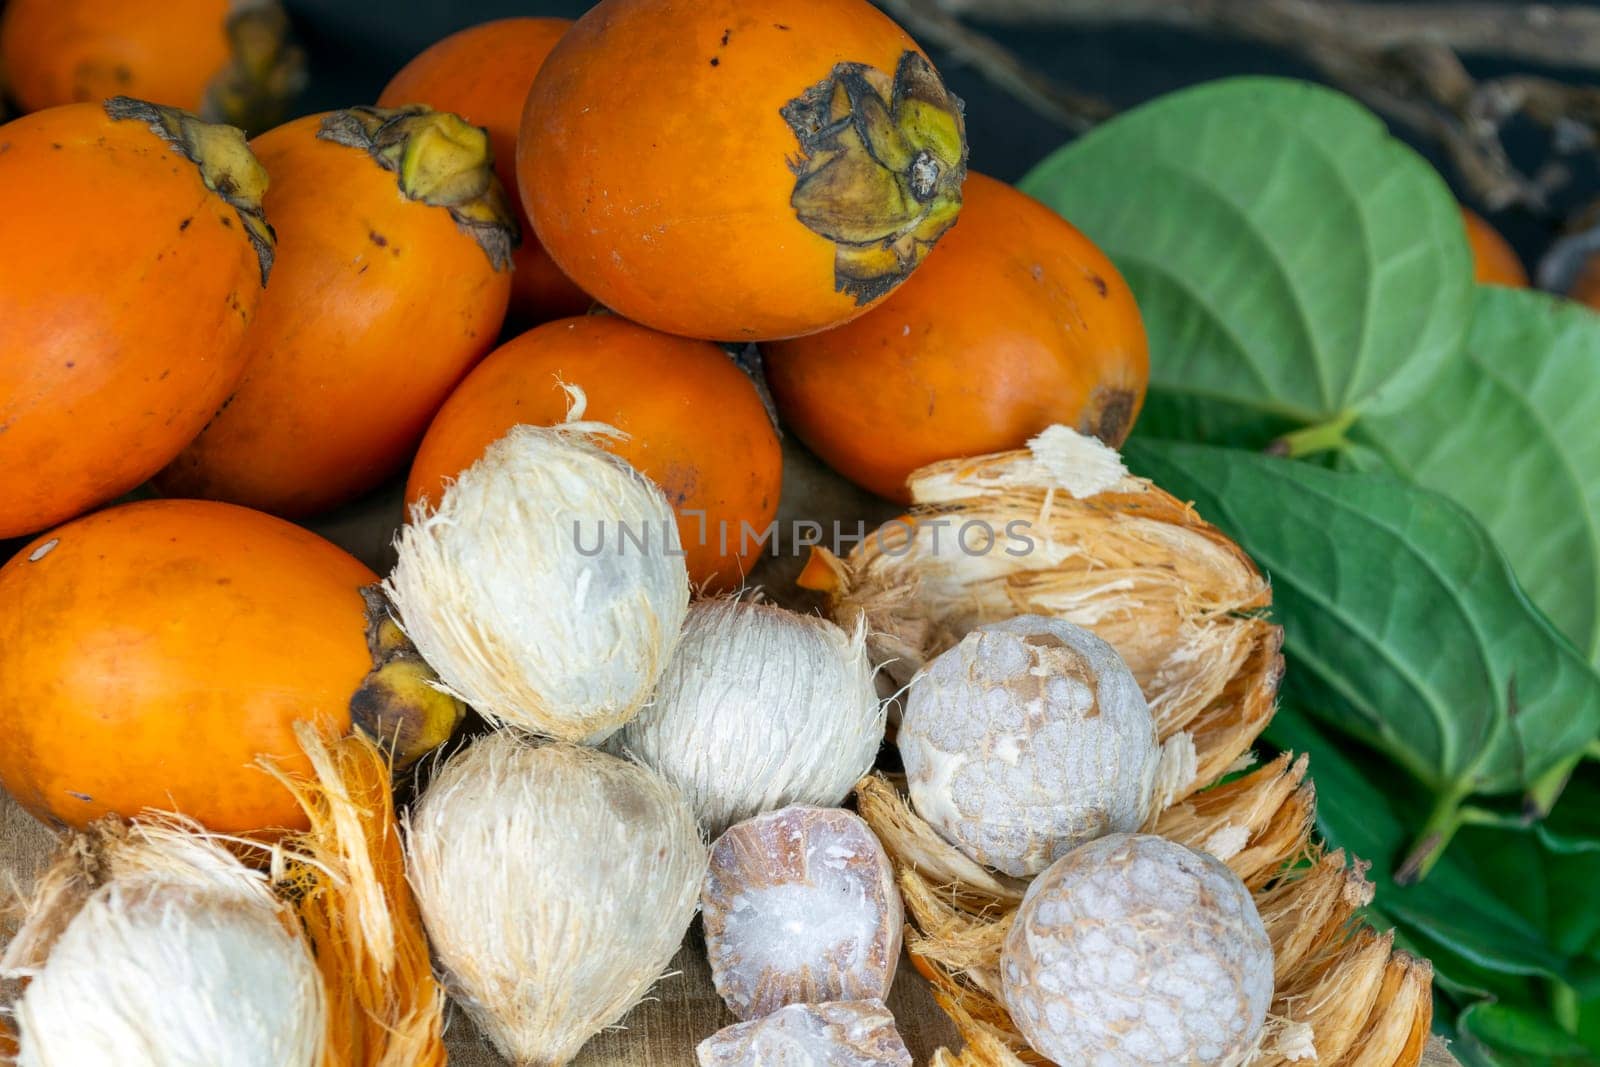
x: 1186, y: 607
x: 346, y: 877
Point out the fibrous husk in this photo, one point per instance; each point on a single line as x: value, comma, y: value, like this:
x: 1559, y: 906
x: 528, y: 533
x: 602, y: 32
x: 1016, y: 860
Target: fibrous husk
x: 759, y: 708
x: 346, y: 877
x: 547, y: 589
x: 1343, y: 995
x: 1112, y: 553
x: 151, y: 945
x: 337, y: 891
x: 1185, y: 607
x: 555, y: 882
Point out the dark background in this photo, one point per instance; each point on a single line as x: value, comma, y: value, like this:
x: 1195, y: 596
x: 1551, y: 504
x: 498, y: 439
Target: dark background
x: 355, y: 46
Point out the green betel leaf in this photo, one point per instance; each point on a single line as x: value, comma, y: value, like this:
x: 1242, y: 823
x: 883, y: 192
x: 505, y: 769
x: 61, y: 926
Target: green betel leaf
x: 1403, y: 622
x: 1510, y: 1036
x: 1451, y: 908
x: 1573, y: 825
x: 1503, y: 921
x: 1296, y: 267
x: 1511, y: 430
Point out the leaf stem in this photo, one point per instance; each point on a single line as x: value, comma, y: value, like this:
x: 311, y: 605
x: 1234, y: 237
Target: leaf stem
x: 1323, y: 437
x: 1543, y: 793
x: 1448, y: 816
x: 1565, y: 1006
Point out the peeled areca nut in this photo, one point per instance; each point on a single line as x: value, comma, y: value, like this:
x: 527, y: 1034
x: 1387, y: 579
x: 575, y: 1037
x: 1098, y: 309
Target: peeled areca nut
x: 1136, y: 950
x: 1027, y: 739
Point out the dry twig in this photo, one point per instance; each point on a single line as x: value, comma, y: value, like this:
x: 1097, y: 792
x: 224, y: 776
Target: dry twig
x: 1400, y: 59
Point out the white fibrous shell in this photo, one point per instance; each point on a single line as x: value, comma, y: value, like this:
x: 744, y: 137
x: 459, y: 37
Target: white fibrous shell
x: 548, y: 587
x: 181, y: 957
x: 1076, y: 538
x: 1135, y: 950
x: 800, y: 906
x: 556, y: 882
x: 841, y: 1034
x: 760, y: 707
x: 1027, y: 739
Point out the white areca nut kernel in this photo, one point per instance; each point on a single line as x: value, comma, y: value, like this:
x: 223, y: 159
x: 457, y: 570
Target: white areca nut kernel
x: 1027, y: 739
x: 547, y: 589
x: 840, y: 1034
x: 759, y: 707
x: 556, y: 882
x: 1134, y: 950
x: 800, y: 906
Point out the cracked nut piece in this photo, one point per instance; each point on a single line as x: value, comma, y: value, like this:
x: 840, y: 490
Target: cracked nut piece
x: 800, y: 906
x: 1137, y: 950
x: 842, y: 1034
x: 1027, y: 739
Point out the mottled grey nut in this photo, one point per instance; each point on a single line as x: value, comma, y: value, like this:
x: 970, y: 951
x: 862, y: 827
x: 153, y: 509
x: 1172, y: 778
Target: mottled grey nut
x: 800, y: 907
x: 1027, y: 739
x: 843, y: 1034
x: 1135, y: 950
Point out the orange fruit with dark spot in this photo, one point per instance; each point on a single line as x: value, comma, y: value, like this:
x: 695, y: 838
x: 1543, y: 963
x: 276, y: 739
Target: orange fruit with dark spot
x: 1016, y: 321
x: 127, y: 282
x: 392, y: 278
x: 695, y: 425
x: 151, y: 653
x: 739, y: 169
x: 1494, y: 262
x: 483, y: 74
x: 1586, y: 286
x: 225, y: 60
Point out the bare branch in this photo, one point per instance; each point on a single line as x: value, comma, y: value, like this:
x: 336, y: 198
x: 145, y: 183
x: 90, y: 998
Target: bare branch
x: 1563, y: 35
x: 929, y: 24
x: 1398, y: 58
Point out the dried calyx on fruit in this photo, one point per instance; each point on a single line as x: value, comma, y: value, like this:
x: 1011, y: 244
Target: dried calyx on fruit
x: 880, y: 170
x: 266, y: 68
x: 439, y: 159
x: 546, y: 588
x: 1076, y: 538
x: 839, y: 1034
x: 150, y: 944
x: 1136, y: 950
x: 399, y: 704
x: 226, y: 164
x: 758, y: 708
x: 556, y: 882
x: 800, y: 906
x: 1027, y: 739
